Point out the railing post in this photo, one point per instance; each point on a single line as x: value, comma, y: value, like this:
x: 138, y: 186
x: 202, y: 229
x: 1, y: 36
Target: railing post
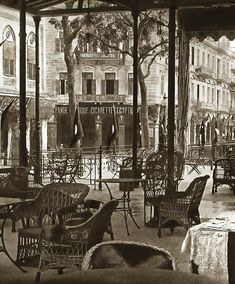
x: 100, y: 167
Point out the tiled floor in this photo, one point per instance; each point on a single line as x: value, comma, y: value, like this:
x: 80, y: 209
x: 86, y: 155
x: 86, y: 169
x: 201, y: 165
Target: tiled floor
x: 218, y: 204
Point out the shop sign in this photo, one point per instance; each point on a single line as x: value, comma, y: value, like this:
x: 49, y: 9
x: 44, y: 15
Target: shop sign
x: 106, y: 109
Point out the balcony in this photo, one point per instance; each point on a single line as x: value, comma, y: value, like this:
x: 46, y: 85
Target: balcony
x: 203, y: 71
x: 102, y: 98
x: 99, y: 57
x: 223, y: 78
x: 64, y: 99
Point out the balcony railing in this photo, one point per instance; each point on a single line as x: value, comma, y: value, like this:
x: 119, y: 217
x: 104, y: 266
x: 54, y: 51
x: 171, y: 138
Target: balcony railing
x: 203, y: 71
x: 64, y: 99
x: 102, y: 98
x: 223, y: 78
x: 99, y: 56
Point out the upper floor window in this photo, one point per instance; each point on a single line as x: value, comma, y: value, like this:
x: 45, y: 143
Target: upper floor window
x: 192, y: 55
x: 130, y: 83
x: 198, y: 57
x: 88, y: 84
x: 31, y: 66
x: 110, y: 85
x: 9, y: 52
x: 63, y: 84
x: 59, y: 42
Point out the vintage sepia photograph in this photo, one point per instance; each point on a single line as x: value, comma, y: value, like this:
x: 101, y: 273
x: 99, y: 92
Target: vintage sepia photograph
x: 117, y: 141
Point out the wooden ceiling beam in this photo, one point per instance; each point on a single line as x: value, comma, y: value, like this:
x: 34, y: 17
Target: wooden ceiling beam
x: 77, y: 11
x: 42, y: 4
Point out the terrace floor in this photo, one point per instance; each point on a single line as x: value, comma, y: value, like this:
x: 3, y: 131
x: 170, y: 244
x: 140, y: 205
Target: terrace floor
x: 218, y: 204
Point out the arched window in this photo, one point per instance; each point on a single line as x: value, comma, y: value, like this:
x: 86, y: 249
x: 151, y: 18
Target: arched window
x: 31, y: 66
x: 9, y: 52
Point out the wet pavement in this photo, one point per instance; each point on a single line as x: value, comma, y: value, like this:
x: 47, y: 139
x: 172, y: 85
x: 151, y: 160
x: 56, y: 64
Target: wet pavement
x: 220, y: 204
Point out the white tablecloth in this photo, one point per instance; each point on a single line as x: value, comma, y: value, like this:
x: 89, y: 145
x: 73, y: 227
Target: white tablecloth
x: 207, y: 245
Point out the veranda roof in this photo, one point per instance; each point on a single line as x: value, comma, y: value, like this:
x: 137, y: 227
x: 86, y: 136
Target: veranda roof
x: 197, y: 17
x: 46, y: 7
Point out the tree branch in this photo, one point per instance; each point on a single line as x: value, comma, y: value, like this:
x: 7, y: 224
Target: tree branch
x: 115, y: 47
x: 147, y: 52
x: 149, y: 65
x: 127, y: 20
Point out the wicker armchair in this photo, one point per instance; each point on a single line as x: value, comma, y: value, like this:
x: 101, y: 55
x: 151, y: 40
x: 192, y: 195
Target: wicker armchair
x: 77, y: 239
x: 155, y: 173
x: 154, y: 188
x: 43, y: 211
x: 223, y: 173
x: 182, y: 207
x: 123, y: 254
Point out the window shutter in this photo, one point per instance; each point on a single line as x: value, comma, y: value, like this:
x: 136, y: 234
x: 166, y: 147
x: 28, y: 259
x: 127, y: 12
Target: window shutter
x: 93, y: 87
x: 130, y: 87
x: 116, y: 87
x: 57, y: 87
x: 103, y: 88
x: 84, y: 87
x: 57, y: 45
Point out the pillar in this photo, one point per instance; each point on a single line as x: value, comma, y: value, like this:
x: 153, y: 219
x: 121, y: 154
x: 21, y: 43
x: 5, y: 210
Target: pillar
x: 23, y: 155
x: 171, y: 101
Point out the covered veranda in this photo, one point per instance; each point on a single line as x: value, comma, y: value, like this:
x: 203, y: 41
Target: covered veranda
x: 195, y: 18
x: 220, y: 13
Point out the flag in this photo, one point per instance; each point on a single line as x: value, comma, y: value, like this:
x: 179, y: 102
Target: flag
x: 202, y: 133
x: 162, y: 128
x: 113, y: 133
x: 139, y: 131
x: 77, y: 128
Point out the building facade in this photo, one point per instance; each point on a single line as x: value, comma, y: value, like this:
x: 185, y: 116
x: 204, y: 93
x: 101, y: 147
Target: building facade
x: 103, y: 83
x: 9, y: 86
x: 212, y: 98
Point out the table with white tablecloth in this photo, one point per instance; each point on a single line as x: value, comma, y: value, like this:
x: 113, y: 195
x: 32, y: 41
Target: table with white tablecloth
x: 212, y: 248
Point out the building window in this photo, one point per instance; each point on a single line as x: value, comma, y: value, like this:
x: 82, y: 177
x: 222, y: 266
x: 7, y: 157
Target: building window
x: 218, y: 66
x: 162, y: 85
x: 130, y: 84
x: 218, y: 98
x: 198, y: 56
x: 63, y: 90
x: 9, y: 52
x: 203, y: 58
x: 31, y: 66
x: 192, y: 55
x: 110, y: 85
x: 192, y: 91
x: 88, y: 84
x: 198, y: 92
x: 59, y: 43
x: 213, y: 95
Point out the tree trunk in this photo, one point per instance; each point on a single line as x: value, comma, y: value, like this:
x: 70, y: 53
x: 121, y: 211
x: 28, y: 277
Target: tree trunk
x: 144, y: 110
x: 69, y: 60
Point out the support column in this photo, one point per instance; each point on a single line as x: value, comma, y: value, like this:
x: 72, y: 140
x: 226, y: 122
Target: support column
x: 37, y: 166
x: 171, y: 102
x: 135, y: 14
x: 23, y: 155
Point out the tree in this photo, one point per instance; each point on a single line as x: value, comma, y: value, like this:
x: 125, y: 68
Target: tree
x: 113, y: 32
x: 70, y: 31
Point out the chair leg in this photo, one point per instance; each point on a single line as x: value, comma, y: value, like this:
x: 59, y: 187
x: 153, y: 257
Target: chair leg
x: 60, y: 271
x: 159, y: 227
x: 13, y: 226
x: 38, y: 276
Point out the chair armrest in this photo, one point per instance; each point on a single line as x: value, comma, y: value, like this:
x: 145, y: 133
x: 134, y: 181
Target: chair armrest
x: 92, y: 203
x: 179, y: 205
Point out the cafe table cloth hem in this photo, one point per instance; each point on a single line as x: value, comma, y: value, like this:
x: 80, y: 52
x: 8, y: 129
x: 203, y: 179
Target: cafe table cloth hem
x: 207, y: 244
